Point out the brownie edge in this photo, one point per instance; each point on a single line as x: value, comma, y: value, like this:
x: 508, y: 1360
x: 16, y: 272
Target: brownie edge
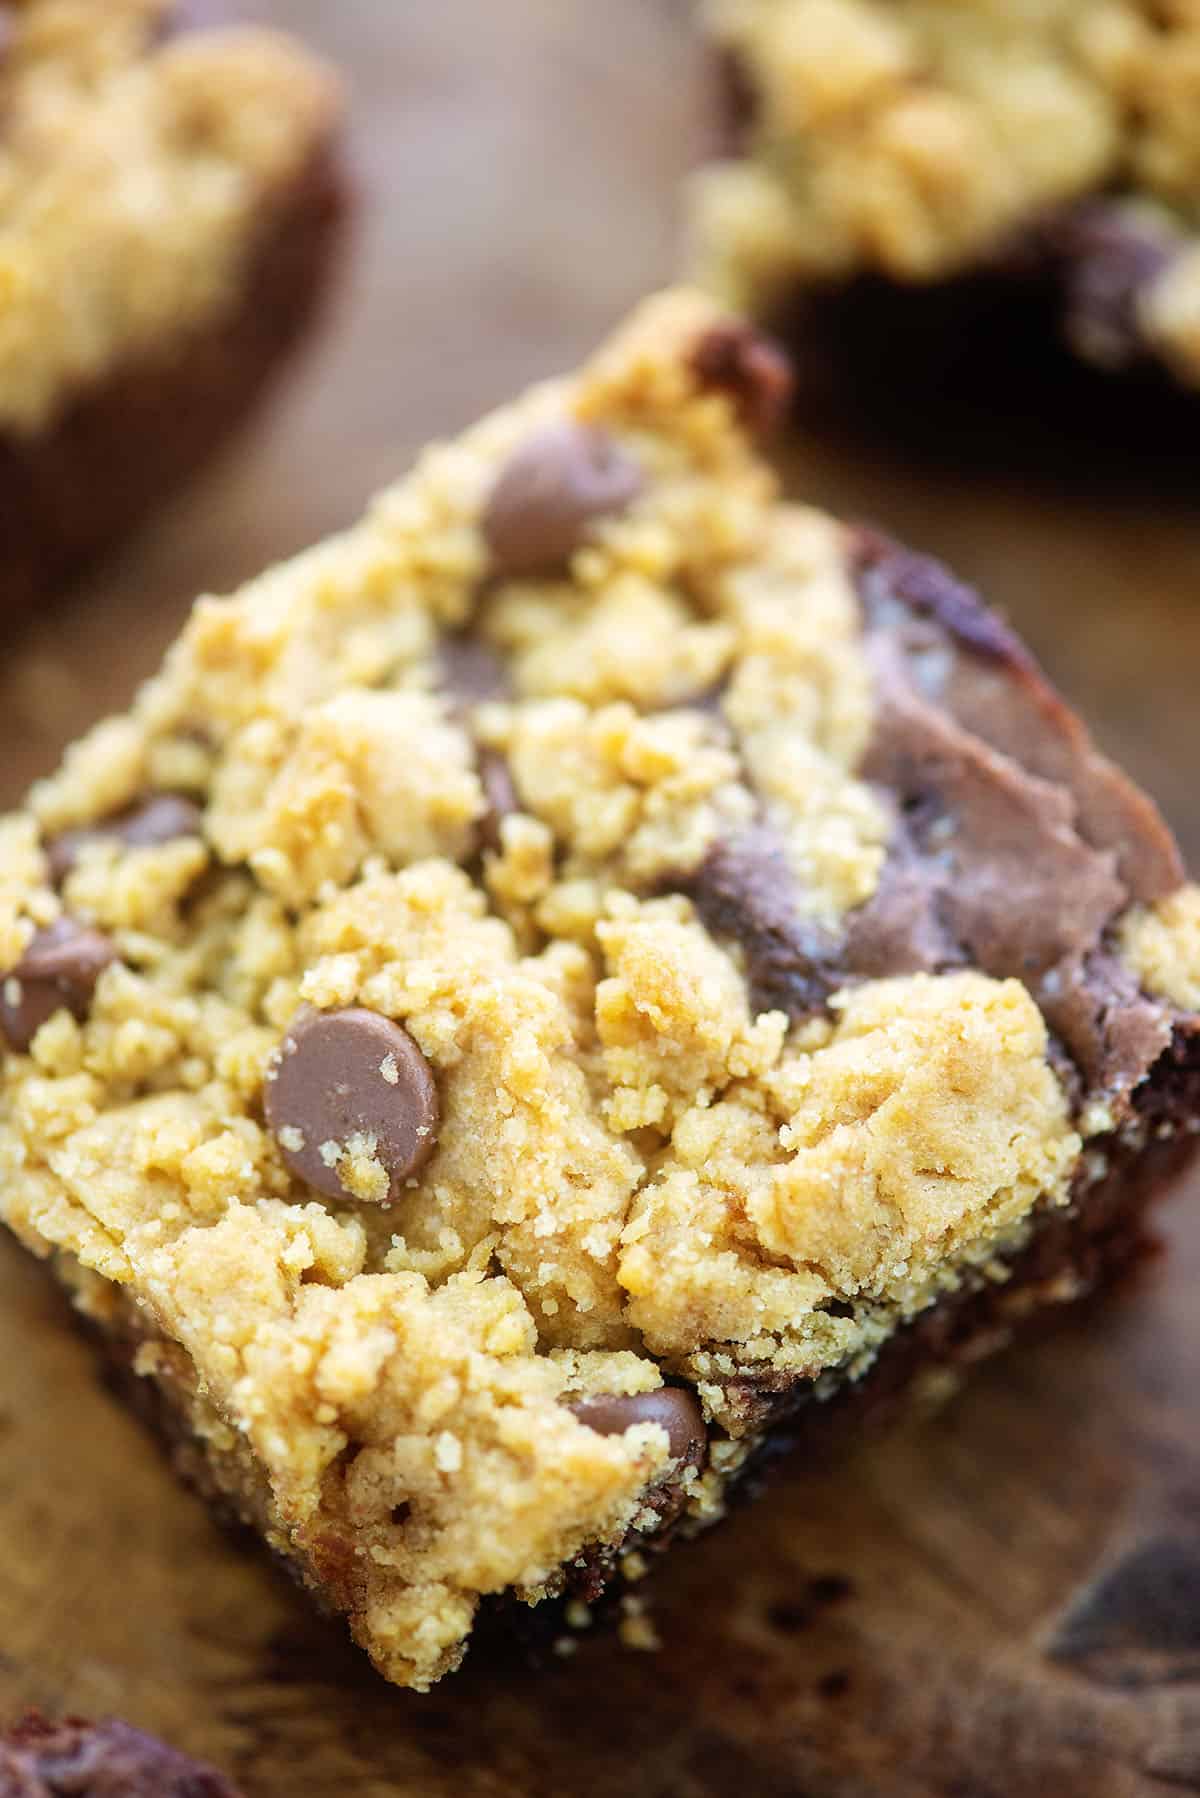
x: 108, y: 1759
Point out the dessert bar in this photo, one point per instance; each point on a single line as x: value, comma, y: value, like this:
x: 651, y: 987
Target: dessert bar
x: 581, y: 979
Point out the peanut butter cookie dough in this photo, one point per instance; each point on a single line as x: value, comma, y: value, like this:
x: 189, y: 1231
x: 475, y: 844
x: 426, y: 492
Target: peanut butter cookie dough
x: 169, y: 196
x: 592, y: 971
x: 1040, y: 160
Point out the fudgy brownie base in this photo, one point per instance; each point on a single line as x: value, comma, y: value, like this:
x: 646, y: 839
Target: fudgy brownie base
x: 979, y: 365
x: 120, y: 448
x: 109, y: 1759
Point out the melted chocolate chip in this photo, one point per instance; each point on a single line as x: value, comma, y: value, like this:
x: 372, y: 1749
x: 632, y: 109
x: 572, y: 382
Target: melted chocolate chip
x: 901, y: 928
x: 961, y: 657
x: 672, y: 1408
x: 548, y: 493
x: 1018, y: 888
x: 163, y: 818
x: 738, y: 360
x: 1113, y: 1032
x: 745, y: 889
x: 351, y: 1082
x: 59, y: 968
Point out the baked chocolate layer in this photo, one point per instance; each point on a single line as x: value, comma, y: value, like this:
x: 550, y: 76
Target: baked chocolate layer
x: 979, y: 366
x: 118, y: 449
x: 109, y: 1759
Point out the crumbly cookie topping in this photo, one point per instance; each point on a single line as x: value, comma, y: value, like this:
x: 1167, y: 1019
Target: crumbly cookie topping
x: 915, y: 137
x: 1161, y: 943
x: 134, y: 165
x: 464, y: 1050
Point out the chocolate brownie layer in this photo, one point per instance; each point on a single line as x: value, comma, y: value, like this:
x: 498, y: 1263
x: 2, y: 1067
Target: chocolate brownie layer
x: 566, y: 978
x: 110, y: 1759
x: 121, y: 447
x: 1032, y: 166
x: 169, y: 199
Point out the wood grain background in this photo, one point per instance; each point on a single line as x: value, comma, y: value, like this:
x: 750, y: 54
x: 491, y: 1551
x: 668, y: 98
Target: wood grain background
x: 1002, y: 1600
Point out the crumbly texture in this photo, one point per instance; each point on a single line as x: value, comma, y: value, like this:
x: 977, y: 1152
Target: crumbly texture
x: 918, y: 138
x: 136, y: 162
x: 1161, y: 943
x: 599, y: 863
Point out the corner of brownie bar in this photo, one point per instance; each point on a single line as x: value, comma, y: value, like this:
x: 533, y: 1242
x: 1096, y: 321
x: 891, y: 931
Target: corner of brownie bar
x: 552, y: 986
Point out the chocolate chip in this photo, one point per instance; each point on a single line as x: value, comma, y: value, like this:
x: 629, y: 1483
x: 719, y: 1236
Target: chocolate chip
x: 162, y: 818
x: 673, y: 1409
x: 351, y: 1081
x: 745, y: 889
x: 738, y: 360
x: 59, y: 968
x: 548, y: 493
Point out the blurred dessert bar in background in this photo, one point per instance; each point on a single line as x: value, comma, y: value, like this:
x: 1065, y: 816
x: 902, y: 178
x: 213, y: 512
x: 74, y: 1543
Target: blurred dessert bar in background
x: 169, y: 203
x: 902, y: 179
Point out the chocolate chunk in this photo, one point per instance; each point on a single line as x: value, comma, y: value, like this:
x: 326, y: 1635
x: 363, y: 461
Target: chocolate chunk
x: 548, y: 493
x: 752, y: 370
x: 471, y: 671
x: 901, y: 929
x: 672, y: 1408
x: 1106, y: 254
x: 59, y: 968
x: 40, y: 1759
x: 162, y: 818
x: 960, y: 656
x: 1113, y: 1032
x: 1020, y: 890
x: 351, y: 1082
x: 745, y: 889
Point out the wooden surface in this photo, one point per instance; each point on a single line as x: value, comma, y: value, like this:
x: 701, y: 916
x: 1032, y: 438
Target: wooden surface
x: 1003, y: 1600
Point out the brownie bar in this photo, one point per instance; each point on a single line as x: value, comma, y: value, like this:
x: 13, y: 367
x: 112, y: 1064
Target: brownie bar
x: 589, y: 975
x: 109, y: 1759
x: 119, y: 449
x: 871, y: 171
x: 96, y: 430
